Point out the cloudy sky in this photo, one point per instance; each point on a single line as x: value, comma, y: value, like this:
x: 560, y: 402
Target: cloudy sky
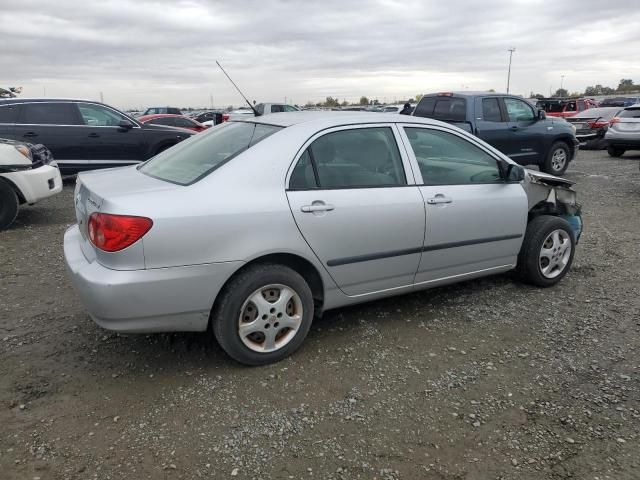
x: 142, y: 52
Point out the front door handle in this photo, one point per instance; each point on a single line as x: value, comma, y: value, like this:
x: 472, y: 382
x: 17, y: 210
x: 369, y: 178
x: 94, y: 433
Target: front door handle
x: 30, y: 134
x: 515, y: 128
x: 93, y: 135
x: 317, y: 207
x: 439, y: 199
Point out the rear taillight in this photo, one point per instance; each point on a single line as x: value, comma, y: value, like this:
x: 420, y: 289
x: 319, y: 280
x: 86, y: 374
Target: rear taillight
x: 225, y: 117
x: 614, y: 120
x: 112, y: 233
x: 599, y: 124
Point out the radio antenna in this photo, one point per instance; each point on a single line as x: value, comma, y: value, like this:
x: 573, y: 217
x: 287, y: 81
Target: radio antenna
x: 233, y: 83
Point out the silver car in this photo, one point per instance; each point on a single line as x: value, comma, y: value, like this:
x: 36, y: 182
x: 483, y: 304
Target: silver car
x: 624, y: 132
x: 257, y: 226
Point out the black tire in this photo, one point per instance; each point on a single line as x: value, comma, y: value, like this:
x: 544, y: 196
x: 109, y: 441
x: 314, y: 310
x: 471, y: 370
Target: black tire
x: 615, y: 152
x: 226, y: 313
x: 549, y: 165
x: 529, y: 268
x: 8, y: 205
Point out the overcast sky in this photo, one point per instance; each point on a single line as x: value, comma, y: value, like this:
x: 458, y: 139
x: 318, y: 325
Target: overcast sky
x: 141, y: 53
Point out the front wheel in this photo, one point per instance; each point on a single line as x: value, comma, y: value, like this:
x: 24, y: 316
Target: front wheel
x: 557, y: 159
x: 615, y: 152
x: 8, y: 205
x: 263, y: 314
x: 547, y: 251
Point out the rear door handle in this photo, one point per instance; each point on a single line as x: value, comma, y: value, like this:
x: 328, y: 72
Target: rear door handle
x: 439, y: 199
x: 317, y: 207
x: 515, y: 128
x: 93, y: 135
x: 30, y: 134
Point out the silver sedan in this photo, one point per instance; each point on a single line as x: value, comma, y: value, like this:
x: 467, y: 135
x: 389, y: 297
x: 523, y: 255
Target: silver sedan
x: 257, y: 226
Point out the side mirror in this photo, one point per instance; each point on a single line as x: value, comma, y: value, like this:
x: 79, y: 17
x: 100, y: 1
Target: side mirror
x: 125, y: 125
x: 541, y: 115
x: 514, y: 173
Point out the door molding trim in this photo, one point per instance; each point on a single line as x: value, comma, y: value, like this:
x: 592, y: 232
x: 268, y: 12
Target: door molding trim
x: 410, y: 251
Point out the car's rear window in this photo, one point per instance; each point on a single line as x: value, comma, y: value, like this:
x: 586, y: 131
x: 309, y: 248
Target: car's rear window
x: 448, y: 109
x: 195, y: 158
x: 630, y: 113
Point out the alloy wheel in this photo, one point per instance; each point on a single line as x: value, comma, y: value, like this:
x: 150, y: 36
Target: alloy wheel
x: 558, y: 159
x: 270, y: 318
x: 555, y: 253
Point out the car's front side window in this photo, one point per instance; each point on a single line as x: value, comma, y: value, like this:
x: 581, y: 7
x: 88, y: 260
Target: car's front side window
x: 518, y: 111
x: 447, y: 159
x: 98, y: 116
x: 8, y: 113
x: 353, y: 158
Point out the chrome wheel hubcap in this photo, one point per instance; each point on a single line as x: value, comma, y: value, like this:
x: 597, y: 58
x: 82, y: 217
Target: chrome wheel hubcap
x: 559, y: 159
x: 270, y: 318
x: 555, y: 253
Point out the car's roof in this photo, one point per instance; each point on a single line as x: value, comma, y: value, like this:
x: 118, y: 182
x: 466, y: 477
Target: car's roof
x: 327, y: 119
x: 467, y: 93
x: 5, y: 101
x: 161, y: 115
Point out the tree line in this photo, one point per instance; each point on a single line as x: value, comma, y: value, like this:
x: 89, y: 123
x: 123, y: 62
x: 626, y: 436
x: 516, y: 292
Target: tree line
x: 331, y: 102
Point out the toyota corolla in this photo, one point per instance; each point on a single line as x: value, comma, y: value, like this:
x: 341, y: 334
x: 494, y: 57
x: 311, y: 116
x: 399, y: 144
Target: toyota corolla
x: 258, y: 226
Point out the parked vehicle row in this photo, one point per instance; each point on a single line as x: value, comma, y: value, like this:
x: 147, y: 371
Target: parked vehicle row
x: 592, y: 125
x: 84, y: 135
x: 508, y: 123
x: 328, y: 193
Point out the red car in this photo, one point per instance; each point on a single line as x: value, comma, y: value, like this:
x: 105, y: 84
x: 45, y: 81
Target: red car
x: 172, y: 121
x: 565, y: 107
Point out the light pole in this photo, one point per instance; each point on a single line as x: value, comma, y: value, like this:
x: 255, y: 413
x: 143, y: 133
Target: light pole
x: 511, y: 50
x: 561, y: 81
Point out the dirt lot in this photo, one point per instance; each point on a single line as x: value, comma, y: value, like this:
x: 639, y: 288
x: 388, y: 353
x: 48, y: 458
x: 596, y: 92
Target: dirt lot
x: 488, y: 379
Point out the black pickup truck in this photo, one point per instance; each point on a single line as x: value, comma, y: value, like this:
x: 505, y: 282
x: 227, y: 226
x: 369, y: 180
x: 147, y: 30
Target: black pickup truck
x: 509, y: 124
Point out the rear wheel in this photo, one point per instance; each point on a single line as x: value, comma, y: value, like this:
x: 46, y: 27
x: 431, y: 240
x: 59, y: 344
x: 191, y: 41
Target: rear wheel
x: 263, y: 314
x: 557, y: 159
x: 615, y: 152
x: 8, y: 205
x: 547, y: 251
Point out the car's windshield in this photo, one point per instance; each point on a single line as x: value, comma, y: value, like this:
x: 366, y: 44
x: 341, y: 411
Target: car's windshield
x: 193, y: 159
x: 630, y: 113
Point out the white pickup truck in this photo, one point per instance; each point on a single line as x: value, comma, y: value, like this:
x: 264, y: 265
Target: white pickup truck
x: 261, y: 108
x: 28, y: 174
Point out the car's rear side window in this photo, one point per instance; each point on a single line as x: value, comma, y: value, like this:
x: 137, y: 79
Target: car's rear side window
x: 8, y: 113
x: 193, y: 159
x: 449, y: 109
x: 55, y: 113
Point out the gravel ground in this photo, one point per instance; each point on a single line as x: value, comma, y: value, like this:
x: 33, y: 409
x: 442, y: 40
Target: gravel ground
x: 488, y: 379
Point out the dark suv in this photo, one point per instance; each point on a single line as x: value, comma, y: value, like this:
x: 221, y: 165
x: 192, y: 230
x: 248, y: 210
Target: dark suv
x: 509, y: 124
x: 84, y: 135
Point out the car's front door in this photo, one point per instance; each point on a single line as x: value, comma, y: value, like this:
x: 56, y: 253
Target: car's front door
x: 8, y: 117
x: 475, y: 220
x: 56, y: 125
x: 353, y: 197
x: 106, y: 143
x: 527, y: 146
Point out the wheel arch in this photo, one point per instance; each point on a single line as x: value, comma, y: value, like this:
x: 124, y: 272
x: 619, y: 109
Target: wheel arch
x: 301, y: 265
x: 14, y: 187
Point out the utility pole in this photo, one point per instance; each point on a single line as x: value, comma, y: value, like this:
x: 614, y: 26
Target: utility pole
x: 561, y: 81
x: 511, y: 50
x: 211, y: 100
x: 101, y: 98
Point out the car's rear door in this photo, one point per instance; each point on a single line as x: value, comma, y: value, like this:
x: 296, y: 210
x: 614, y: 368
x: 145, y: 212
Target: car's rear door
x: 526, y: 132
x: 492, y: 124
x: 353, y: 197
x: 55, y: 124
x: 8, y: 117
x: 475, y: 221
